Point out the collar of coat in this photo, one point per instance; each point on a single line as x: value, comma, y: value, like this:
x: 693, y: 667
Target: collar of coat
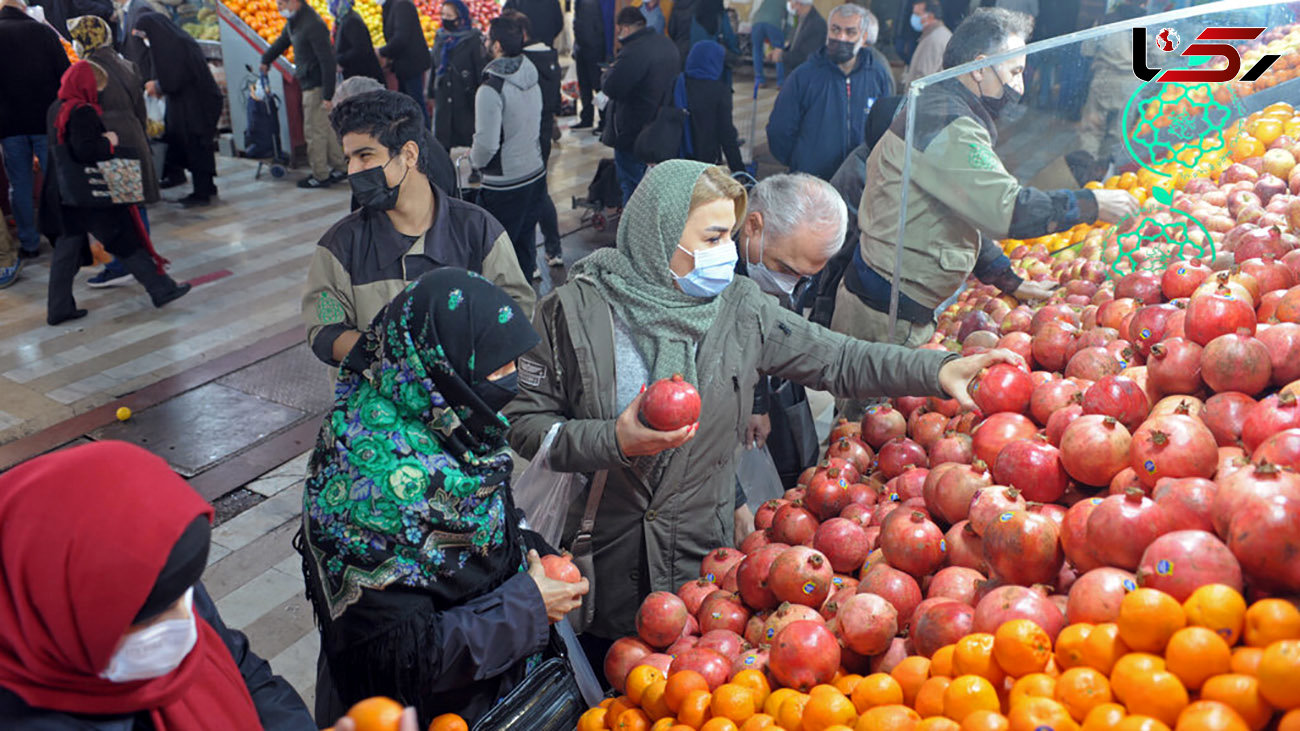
x: 440, y: 242
x: 936, y: 108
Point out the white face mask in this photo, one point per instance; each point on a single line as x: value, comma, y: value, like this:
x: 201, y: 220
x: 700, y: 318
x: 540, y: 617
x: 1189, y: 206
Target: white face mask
x: 155, y: 651
x: 774, y: 283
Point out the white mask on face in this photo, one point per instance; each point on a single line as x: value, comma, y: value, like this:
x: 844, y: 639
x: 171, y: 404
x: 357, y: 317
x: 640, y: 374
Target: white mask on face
x: 155, y: 651
x: 774, y: 283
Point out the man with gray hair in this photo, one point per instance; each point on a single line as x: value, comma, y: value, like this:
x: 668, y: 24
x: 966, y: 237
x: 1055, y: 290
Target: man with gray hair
x: 821, y: 112
x: 794, y: 225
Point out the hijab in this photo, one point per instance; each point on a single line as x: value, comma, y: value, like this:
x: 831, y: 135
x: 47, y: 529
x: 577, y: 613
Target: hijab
x: 177, y: 58
x: 704, y: 62
x: 340, y: 8
x: 452, y: 37
x: 708, y: 13
x: 634, y: 276
x: 77, y: 89
x: 408, y: 479
x: 89, y: 32
x: 85, y: 535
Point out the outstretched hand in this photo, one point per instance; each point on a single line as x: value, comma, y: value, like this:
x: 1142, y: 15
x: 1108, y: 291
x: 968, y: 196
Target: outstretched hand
x: 956, y: 375
x: 409, y: 722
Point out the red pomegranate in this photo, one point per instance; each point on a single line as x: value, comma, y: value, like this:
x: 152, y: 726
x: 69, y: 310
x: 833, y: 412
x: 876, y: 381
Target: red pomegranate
x: 965, y: 547
x: 1095, y: 596
x: 752, y: 577
x: 1261, y: 481
x: 881, y: 424
x: 1269, y: 416
x: 1017, y: 602
x: 1181, y: 562
x: 854, y: 452
x: 1003, y: 387
x: 1050, y: 343
x: 1023, y: 548
x: 954, y: 447
x: 990, y: 502
x: 713, y: 665
x: 1122, y: 527
x: 843, y: 542
x: 910, y: 484
x: 1034, y: 467
x: 1050, y: 510
x: 1283, y: 342
x: 754, y: 541
x: 1112, y: 314
x: 1092, y: 364
x: 1217, y: 313
x: 1181, y: 279
x: 1053, y: 313
x: 1148, y: 326
x: 913, y: 544
x: 899, y: 589
x: 1062, y: 418
x: 955, y: 582
x: 561, y: 568
x: 1265, y: 536
x: 625, y: 654
x: 722, y: 610
x: 804, y: 654
x: 929, y: 428
x: 756, y: 659
x: 1117, y: 396
x: 693, y: 593
x: 661, y: 619
x: 1021, y: 343
x: 999, y: 430
x: 948, y: 495
x: 908, y: 404
x: 1050, y: 396
x: 1283, y: 448
x: 845, y: 428
x: 827, y: 494
x: 724, y: 641
x: 1173, y: 446
x: 1225, y: 415
x: 1236, y: 362
x: 670, y: 404
x: 718, y: 562
x: 941, y: 623
x: 898, y: 454
x: 866, y: 624
x: 1273, y: 275
x: 1095, y: 448
x: 801, y: 575
x: 1186, y: 502
x: 1174, y: 367
x: 793, y: 524
x: 763, y: 516
x: 1140, y: 285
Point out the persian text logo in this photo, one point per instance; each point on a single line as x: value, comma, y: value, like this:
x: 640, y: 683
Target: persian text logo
x: 1167, y: 41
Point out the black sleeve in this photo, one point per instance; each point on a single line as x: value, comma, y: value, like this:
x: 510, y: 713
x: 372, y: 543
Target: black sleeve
x: 1041, y: 212
x: 728, y: 137
x: 741, y: 500
x: 406, y: 24
x: 623, y: 76
x: 345, y: 49
x: 329, y: 70
x: 441, y: 169
x: 277, y: 49
x: 278, y: 705
x: 84, y: 136
x: 993, y: 267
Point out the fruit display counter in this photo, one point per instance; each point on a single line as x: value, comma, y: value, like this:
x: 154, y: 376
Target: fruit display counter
x: 265, y: 20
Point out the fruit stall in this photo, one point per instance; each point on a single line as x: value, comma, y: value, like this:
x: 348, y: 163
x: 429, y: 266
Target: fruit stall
x: 1110, y: 539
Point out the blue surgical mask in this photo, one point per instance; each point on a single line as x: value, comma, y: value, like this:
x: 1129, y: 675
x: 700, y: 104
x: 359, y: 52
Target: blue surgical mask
x: 773, y: 283
x: 714, y: 269
x: 917, y: 25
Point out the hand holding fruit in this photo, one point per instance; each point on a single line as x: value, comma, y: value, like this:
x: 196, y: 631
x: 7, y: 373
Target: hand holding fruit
x: 560, y: 597
x: 638, y: 440
x: 378, y: 712
x: 956, y: 375
x: 1029, y: 290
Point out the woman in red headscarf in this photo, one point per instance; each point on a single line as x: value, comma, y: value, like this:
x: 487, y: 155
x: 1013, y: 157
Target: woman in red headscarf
x: 75, y: 125
x: 103, y: 622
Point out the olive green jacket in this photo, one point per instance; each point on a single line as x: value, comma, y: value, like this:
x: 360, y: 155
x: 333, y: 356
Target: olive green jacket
x: 653, y: 537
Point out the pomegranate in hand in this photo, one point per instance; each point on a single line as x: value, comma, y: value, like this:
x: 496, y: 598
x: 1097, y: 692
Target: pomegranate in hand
x: 670, y: 404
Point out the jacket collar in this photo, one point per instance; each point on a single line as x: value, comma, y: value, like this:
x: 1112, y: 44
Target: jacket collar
x: 9, y: 12
x: 440, y: 241
x: 644, y: 32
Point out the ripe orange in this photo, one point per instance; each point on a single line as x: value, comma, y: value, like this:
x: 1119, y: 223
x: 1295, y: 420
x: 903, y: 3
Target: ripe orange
x: 773, y: 703
x: 1139, y: 722
x: 791, y: 713
x: 967, y: 694
x: 633, y: 719
x: 1103, y: 647
x: 719, y: 724
x: 1270, y: 620
x: 1245, y: 660
x: 1036, y: 714
x: 1279, y: 674
x: 679, y: 684
x: 694, y: 708
x: 1148, y: 618
x: 910, y: 674
x: 638, y: 679
x: 1241, y: 694
x: 888, y: 718
x: 759, y: 722
x: 1195, y: 654
x: 376, y: 714
x: 929, y: 700
x: 1290, y: 721
x: 665, y: 724
x: 1209, y: 716
x: 1104, y: 717
x: 1020, y: 646
x: 1069, y: 645
x: 1038, y: 685
x: 941, y: 661
x: 1131, y: 670
x: 877, y: 689
x: 652, y: 701
x: 592, y: 720
x: 846, y: 683
x: 973, y: 654
x: 1218, y: 607
x: 938, y: 723
x: 1159, y: 695
x: 757, y: 684
x: 828, y: 709
x: 449, y: 722
x: 1082, y: 689
x: 616, y: 709
x: 982, y: 720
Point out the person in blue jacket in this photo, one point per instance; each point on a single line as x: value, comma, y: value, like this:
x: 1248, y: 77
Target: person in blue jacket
x: 821, y: 112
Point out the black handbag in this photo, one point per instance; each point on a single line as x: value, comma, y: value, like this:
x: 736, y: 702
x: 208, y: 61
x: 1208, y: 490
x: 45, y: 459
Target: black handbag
x: 793, y: 442
x: 547, y: 699
x: 113, y: 182
x: 662, y: 138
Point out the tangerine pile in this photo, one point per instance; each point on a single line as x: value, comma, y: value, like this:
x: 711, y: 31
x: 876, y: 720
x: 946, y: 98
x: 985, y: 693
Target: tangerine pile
x: 385, y: 714
x: 1209, y: 664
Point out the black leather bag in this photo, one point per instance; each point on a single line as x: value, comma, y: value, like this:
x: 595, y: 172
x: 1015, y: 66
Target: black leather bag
x: 548, y: 699
x: 793, y: 441
x: 662, y: 138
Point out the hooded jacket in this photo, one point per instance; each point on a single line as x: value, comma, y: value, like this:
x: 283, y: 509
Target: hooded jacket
x: 507, y: 117
x: 707, y: 97
x: 547, y: 63
x: 821, y: 112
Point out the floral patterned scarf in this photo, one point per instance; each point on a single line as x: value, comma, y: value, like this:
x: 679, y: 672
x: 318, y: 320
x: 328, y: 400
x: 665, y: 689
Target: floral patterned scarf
x: 407, y: 479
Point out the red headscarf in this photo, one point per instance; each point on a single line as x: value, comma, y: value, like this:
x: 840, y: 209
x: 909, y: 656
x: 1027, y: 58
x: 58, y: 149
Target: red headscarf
x: 77, y: 88
x: 84, y: 534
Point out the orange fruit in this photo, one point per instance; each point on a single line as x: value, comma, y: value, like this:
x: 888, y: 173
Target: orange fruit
x: 967, y: 694
x: 1104, y: 717
x: 376, y: 714
x: 633, y: 719
x: 888, y: 718
x: 1209, y: 716
x: 929, y: 700
x: 616, y: 709
x: 1160, y: 695
x: 1148, y: 618
x: 1279, y: 674
x: 846, y: 683
x: 1020, y: 646
x: 665, y: 724
x: 1241, y: 693
x: 877, y: 689
x: 938, y: 723
x: 448, y: 722
x: 828, y: 709
x: 910, y: 674
x: 638, y: 679
x: 592, y: 720
x: 1217, y: 607
x: 1290, y: 721
x: 1037, y: 685
x: 757, y: 684
x: 1040, y: 714
x: 1131, y: 670
x: 1069, y: 645
x: 1082, y: 689
x: 719, y: 724
x: 1266, y: 129
x: 973, y: 655
x: 1127, y: 180
x: 791, y: 713
x: 679, y: 684
x: 652, y: 701
x: 1139, y: 722
x: 1103, y: 647
x: 1245, y: 660
x: 941, y: 661
x: 758, y: 722
x: 1246, y: 146
x: 1270, y: 620
x: 1195, y: 654
x: 982, y: 720
x: 773, y: 703
x: 694, y: 708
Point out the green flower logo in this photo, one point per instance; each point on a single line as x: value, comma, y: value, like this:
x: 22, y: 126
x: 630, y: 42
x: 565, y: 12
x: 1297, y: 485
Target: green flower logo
x: 329, y: 310
x: 504, y: 314
x: 454, y: 298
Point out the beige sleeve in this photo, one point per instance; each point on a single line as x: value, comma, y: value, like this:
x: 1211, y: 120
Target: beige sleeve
x: 501, y: 267
x: 328, y: 308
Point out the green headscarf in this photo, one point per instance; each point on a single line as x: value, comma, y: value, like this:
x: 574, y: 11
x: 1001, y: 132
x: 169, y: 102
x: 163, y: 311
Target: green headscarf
x: 666, y: 323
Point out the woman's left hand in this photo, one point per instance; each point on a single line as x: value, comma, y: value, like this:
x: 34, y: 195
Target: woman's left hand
x: 409, y: 722
x: 956, y: 375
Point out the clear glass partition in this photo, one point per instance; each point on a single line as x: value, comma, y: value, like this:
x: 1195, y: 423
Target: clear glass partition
x: 1094, y: 114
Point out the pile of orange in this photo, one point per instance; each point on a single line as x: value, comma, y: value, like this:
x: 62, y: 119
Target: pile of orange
x: 1209, y: 664
x: 385, y: 714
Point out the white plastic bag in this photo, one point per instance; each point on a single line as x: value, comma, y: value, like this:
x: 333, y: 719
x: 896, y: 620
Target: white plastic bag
x: 155, y: 108
x: 545, y: 495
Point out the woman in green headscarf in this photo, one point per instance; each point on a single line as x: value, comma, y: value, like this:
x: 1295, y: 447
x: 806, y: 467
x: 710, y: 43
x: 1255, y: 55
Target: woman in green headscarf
x: 664, y: 301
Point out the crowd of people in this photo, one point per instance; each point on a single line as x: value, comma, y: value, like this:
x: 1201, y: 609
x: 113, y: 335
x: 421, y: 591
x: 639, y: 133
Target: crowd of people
x: 426, y: 582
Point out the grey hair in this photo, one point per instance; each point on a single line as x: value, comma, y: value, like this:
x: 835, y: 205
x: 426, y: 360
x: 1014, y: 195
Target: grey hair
x: 867, y: 22
x: 354, y: 85
x: 793, y: 201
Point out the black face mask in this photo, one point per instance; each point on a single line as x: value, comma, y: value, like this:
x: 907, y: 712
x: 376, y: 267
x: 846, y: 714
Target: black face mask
x: 995, y: 105
x: 496, y: 394
x: 451, y: 25
x: 840, y: 51
x: 370, y: 187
